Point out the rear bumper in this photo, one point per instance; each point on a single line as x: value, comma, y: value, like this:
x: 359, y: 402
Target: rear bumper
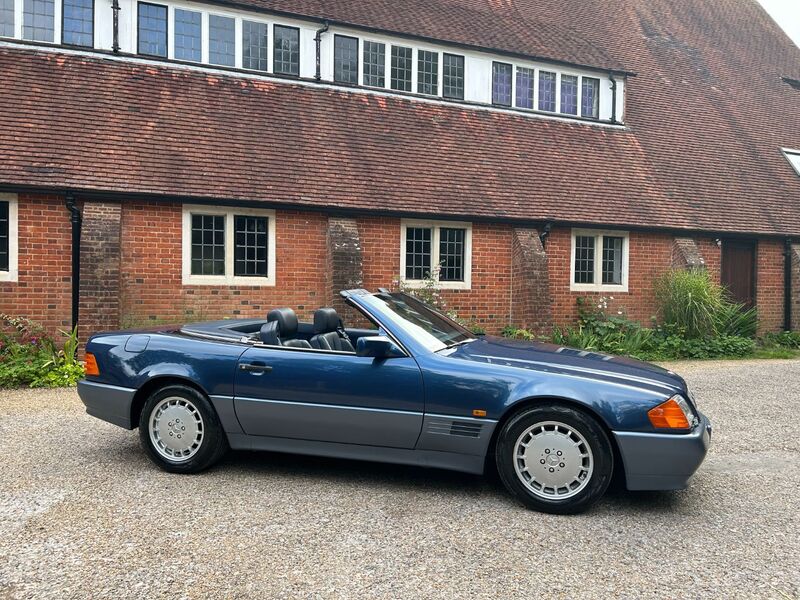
x: 107, y: 402
x: 658, y: 461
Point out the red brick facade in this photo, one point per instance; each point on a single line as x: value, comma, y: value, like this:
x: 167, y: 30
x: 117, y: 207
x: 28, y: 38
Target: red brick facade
x: 131, y: 272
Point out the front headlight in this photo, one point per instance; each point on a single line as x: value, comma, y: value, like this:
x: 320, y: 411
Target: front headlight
x: 675, y: 413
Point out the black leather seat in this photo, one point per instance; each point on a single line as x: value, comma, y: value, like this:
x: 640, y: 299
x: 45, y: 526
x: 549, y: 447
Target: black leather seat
x: 329, y: 334
x: 280, y: 329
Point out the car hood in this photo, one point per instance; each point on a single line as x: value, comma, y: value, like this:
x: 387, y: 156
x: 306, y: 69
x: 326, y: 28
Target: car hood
x: 551, y: 358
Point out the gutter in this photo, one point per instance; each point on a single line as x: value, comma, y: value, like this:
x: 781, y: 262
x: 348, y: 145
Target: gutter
x: 787, y: 285
x: 75, y: 220
x: 318, y: 42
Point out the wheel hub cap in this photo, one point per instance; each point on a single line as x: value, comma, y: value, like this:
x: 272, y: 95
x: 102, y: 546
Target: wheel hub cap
x: 176, y: 429
x: 553, y: 460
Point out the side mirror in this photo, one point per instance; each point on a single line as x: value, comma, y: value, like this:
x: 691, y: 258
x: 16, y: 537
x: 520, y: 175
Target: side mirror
x: 377, y: 346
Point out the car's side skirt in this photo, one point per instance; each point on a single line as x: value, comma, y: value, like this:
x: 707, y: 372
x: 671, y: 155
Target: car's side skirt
x: 423, y: 458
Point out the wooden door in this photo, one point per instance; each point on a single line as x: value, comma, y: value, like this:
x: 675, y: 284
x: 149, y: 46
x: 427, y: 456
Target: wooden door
x: 739, y: 271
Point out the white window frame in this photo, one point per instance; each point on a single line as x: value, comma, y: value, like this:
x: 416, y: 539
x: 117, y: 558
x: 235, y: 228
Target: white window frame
x: 13, y: 238
x: 435, y: 226
x: 228, y: 278
x: 793, y: 156
x: 598, y: 285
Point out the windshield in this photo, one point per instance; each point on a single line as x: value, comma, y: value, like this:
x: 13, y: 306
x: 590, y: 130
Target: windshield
x: 428, y: 326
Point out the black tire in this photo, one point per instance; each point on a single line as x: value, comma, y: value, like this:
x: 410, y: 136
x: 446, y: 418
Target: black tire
x: 582, y: 423
x: 213, y: 445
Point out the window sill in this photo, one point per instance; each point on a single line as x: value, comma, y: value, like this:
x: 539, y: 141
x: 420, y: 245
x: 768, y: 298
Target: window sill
x: 224, y: 280
x: 418, y: 284
x: 9, y: 276
x: 599, y: 287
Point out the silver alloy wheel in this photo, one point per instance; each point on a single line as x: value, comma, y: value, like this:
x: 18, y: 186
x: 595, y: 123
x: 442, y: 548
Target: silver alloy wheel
x: 553, y: 460
x: 176, y: 429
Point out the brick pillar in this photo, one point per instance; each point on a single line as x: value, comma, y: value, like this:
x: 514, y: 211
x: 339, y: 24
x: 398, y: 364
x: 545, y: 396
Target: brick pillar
x: 686, y: 254
x: 345, y: 264
x: 531, y: 302
x: 796, y: 287
x: 100, y: 267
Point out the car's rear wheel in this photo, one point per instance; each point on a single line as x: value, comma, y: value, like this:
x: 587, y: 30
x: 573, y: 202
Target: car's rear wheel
x: 554, y: 459
x: 180, y: 430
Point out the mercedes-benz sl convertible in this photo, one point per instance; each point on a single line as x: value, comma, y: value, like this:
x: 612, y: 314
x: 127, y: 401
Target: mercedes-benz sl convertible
x: 415, y: 388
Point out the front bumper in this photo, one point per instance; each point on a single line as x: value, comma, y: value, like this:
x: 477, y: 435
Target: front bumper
x: 107, y: 402
x: 662, y: 461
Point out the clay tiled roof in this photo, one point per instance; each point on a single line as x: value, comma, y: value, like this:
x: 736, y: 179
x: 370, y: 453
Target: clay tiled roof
x: 706, y: 118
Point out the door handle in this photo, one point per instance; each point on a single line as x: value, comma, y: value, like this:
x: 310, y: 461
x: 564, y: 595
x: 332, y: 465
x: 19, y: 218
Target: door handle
x: 254, y: 368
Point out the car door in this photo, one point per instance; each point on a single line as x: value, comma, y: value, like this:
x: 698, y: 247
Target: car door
x: 329, y: 396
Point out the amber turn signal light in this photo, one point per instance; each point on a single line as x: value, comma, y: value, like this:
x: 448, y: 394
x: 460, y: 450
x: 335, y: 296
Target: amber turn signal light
x: 90, y: 365
x: 668, y: 415
x: 478, y: 413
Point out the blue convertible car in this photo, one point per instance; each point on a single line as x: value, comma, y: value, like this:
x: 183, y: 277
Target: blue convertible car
x: 416, y: 388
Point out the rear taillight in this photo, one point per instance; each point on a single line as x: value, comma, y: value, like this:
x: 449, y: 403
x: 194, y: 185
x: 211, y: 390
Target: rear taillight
x: 90, y: 365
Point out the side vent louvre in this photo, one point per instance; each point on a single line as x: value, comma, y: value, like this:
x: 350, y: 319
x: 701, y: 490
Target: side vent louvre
x: 458, y: 428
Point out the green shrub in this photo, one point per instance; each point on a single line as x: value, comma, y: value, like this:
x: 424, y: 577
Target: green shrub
x: 736, y: 320
x: 689, y: 300
x: 28, y: 357
x: 784, y: 339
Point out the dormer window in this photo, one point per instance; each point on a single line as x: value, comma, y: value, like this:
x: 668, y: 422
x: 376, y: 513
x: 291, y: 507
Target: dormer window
x: 188, y: 35
x: 453, y: 76
x: 221, y: 41
x: 152, y: 31
x: 547, y: 91
x: 375, y: 64
x: 525, y: 79
x: 287, y: 50
x: 569, y: 94
x: 590, y: 98
x: 501, y: 83
x: 78, y: 20
x: 401, y: 68
x: 38, y: 18
x: 345, y: 59
x: 428, y: 73
x: 7, y: 18
x: 255, y: 46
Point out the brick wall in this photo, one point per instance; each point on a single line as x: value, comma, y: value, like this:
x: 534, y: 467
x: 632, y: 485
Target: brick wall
x: 151, y: 286
x: 44, y: 287
x: 100, y: 267
x: 769, y: 284
x: 530, y: 293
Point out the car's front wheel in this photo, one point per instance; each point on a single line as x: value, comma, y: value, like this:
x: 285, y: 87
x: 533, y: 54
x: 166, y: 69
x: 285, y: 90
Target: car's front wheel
x: 554, y: 458
x: 180, y: 430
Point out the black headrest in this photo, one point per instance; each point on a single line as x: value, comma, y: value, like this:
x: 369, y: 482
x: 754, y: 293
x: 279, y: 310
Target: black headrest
x: 326, y: 320
x: 270, y: 334
x: 287, y: 321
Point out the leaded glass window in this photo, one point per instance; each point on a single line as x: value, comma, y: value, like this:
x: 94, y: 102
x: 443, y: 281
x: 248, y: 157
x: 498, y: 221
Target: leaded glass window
x: 569, y: 94
x: 7, y: 18
x: 4, y: 231
x: 78, y: 21
x: 584, y: 258
x: 418, y: 252
x: 524, y: 87
x: 547, y: 91
x: 375, y: 64
x: 428, y: 72
x: 187, y: 35
x: 222, y: 40
x: 451, y: 254
x: 401, y: 68
x: 453, y: 76
x: 208, y: 245
x: 345, y: 59
x: 38, y: 19
x: 255, y: 46
x: 250, y: 250
x: 612, y: 260
x: 286, y: 59
x: 590, y: 95
x: 152, y: 31
x: 501, y: 83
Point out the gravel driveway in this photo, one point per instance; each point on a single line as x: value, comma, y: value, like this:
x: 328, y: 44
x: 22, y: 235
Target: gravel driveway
x: 83, y: 513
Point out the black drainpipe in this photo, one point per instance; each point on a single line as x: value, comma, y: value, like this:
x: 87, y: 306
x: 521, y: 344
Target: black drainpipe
x: 115, y: 9
x: 787, y: 285
x: 75, y: 219
x: 613, y: 98
x: 318, y: 40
